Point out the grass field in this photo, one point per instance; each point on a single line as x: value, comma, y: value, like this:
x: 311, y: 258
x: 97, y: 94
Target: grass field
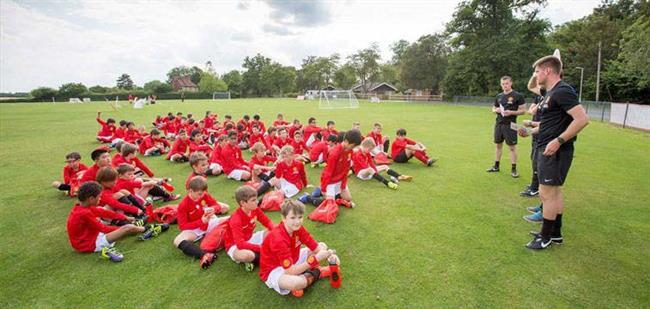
x: 453, y: 237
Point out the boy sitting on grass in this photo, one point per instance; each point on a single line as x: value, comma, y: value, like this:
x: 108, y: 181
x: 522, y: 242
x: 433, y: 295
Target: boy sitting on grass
x: 196, y: 217
x: 404, y: 148
x: 365, y: 169
x: 290, y: 175
x: 86, y: 232
x: 72, y: 172
x: 199, y: 164
x: 241, y: 241
x: 180, y: 148
x: 284, y: 265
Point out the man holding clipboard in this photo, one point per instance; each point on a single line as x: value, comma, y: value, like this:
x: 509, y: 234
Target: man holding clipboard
x: 507, y: 106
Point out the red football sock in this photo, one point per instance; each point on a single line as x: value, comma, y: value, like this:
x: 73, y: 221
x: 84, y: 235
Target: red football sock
x: 420, y: 155
x: 335, y: 278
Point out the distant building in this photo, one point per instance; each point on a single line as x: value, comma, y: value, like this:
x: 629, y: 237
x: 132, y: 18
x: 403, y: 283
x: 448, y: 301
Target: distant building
x: 185, y: 84
x: 375, y: 89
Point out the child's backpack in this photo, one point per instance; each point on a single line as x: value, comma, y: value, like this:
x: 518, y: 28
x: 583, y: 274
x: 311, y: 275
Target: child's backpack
x: 381, y: 159
x: 166, y: 214
x: 326, y: 212
x: 214, y: 241
x: 272, y: 201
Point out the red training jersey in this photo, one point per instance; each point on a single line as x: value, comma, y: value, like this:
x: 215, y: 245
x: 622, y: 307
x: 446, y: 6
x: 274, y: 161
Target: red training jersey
x: 281, y: 249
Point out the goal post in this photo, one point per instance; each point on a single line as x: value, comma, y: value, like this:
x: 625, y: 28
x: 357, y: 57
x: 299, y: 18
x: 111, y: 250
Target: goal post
x: 330, y: 99
x: 221, y: 95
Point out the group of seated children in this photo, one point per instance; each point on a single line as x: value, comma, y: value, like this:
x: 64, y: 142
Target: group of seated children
x: 284, y: 265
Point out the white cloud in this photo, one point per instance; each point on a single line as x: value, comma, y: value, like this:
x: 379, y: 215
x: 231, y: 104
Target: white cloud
x: 50, y: 43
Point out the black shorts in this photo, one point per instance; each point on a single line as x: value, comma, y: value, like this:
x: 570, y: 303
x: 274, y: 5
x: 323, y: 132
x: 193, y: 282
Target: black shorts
x: 503, y: 132
x: 553, y: 170
x: 401, y: 157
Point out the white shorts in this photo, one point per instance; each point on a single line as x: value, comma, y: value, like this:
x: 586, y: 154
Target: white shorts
x: 368, y: 175
x: 101, y: 242
x: 256, y: 239
x: 288, y: 188
x: 214, y: 221
x: 215, y: 166
x: 333, y: 189
x: 311, y: 140
x: 273, y: 281
x: 115, y: 141
x: 236, y: 174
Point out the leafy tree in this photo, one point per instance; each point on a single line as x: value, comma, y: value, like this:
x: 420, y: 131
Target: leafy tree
x: 365, y: 63
x: 72, y: 90
x: 399, y: 48
x: 489, y: 40
x: 98, y: 89
x: 424, y: 63
x: 629, y: 75
x: 194, y: 73
x: 251, y: 77
x: 317, y: 72
x: 43, y: 93
x: 125, y: 82
x: 157, y: 87
x: 234, y: 81
x: 345, y: 77
x: 210, y: 83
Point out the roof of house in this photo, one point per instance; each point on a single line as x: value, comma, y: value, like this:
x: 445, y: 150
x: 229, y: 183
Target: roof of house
x: 183, y: 82
x: 373, y: 86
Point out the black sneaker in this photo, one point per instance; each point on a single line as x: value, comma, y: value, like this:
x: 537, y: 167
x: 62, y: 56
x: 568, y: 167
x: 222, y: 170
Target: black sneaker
x: 529, y: 193
x: 493, y: 169
x: 539, y: 244
x: 514, y: 174
x: 557, y: 240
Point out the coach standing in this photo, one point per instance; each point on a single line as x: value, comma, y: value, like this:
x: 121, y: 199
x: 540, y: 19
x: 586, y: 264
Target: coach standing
x: 507, y: 106
x: 562, y: 118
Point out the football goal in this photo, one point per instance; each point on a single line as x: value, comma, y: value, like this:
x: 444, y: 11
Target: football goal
x: 337, y: 99
x: 221, y: 95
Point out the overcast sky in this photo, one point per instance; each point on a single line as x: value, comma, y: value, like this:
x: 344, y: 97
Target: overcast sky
x: 50, y: 43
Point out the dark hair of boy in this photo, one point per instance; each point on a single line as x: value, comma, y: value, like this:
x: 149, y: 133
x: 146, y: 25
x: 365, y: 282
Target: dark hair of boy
x: 232, y: 134
x: 189, y: 116
x: 123, y: 123
x: 128, y: 149
x: 329, y: 122
x: 124, y: 168
x: 154, y: 132
x: 179, y: 114
x: 240, y: 127
x: 271, y: 129
x: 110, y: 120
x: 227, y: 117
x: 181, y: 131
x: 170, y: 114
x: 221, y: 138
x: 195, y: 133
x: 198, y: 184
x: 130, y: 123
x: 229, y: 127
x: 311, y: 120
x: 190, y: 121
x: 197, y: 157
x: 353, y: 137
x: 89, y: 190
x: 106, y: 174
x: 256, y: 117
x: 97, y: 153
x: 247, y: 117
x: 297, y: 133
x: 333, y: 138
x: 207, y: 113
x: 73, y: 155
x: 294, y: 206
x: 170, y: 117
x: 401, y: 132
x: 340, y: 137
x: 244, y: 193
x: 255, y: 127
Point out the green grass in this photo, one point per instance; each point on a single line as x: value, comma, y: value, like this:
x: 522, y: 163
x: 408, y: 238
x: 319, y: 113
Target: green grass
x: 452, y: 238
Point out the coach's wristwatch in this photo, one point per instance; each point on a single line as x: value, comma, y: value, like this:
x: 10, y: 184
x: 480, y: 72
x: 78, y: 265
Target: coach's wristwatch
x: 561, y: 140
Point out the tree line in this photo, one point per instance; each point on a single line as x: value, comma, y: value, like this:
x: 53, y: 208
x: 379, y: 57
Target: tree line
x: 485, y: 40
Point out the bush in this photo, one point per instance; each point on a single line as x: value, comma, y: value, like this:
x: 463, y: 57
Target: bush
x: 44, y: 94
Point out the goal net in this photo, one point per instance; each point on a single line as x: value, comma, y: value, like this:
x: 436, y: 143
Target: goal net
x: 337, y: 99
x: 221, y: 95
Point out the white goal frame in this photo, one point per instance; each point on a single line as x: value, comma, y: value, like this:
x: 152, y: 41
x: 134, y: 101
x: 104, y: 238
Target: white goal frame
x: 332, y: 99
x: 226, y: 95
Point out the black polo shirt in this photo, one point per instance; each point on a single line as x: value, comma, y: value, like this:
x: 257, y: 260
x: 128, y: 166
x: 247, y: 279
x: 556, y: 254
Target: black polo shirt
x: 553, y: 112
x: 510, y: 101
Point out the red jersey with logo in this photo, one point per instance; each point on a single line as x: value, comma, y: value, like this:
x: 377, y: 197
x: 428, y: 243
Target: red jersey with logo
x: 281, y: 249
x: 293, y: 173
x: 338, y: 165
x: 241, y: 228
x: 399, y: 145
x: 84, y: 226
x: 190, y: 212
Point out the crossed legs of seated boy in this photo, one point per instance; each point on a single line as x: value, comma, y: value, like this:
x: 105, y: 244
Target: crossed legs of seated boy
x: 185, y: 241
